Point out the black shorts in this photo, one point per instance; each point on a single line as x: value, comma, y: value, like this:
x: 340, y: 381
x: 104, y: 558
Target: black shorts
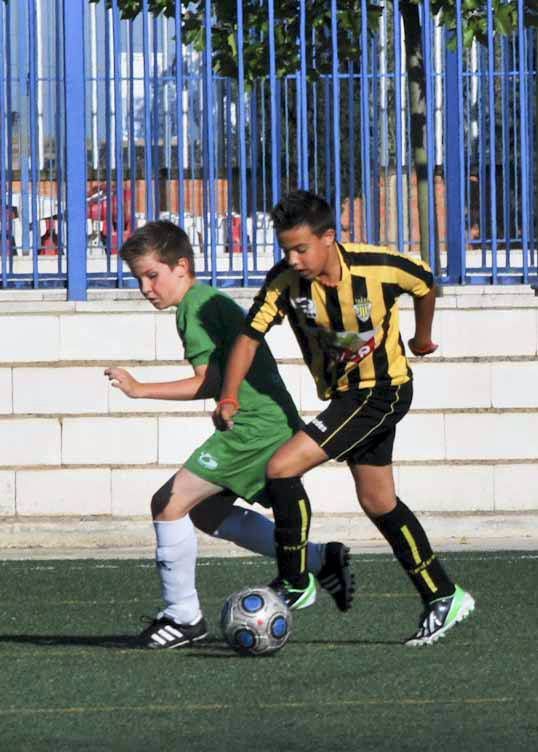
x: 359, y: 426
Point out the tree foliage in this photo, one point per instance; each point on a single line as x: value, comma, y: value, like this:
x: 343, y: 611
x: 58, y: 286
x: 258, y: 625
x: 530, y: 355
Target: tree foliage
x: 286, y: 29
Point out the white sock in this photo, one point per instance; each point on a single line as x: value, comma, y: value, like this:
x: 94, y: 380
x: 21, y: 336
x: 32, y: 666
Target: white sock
x: 256, y: 533
x: 176, y: 563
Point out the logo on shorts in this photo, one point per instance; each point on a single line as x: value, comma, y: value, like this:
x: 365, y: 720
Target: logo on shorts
x: 363, y: 309
x: 307, y: 306
x: 319, y: 424
x: 208, y: 461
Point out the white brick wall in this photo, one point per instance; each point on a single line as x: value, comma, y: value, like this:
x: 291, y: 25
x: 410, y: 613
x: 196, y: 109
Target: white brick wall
x: 444, y: 488
x: 108, y: 337
x: 420, y: 437
x: 516, y: 488
x: 119, y: 403
x: 29, y: 338
x: 6, y: 390
x: 132, y: 490
x: 29, y: 442
x: 440, y: 386
x: 501, y: 436
x: 109, y: 441
x: 7, y: 493
x: 468, y: 333
x: 179, y: 437
x: 147, y: 432
x: 59, y: 390
x: 63, y: 492
x: 514, y: 384
x: 168, y: 343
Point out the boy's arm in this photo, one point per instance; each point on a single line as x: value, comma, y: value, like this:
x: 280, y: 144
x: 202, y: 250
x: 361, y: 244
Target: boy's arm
x: 204, y: 383
x: 239, y: 361
x: 421, y: 344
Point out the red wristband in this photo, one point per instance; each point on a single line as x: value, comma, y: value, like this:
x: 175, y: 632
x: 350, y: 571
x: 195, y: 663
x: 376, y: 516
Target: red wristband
x: 228, y: 401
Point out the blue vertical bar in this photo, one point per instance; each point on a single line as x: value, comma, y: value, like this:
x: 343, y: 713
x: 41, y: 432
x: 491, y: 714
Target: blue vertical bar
x: 430, y: 133
x: 398, y: 118
x: 454, y: 160
x: 242, y: 141
x: 210, y: 130
x: 148, y: 161
x: 59, y: 120
x: 351, y: 140
x: 524, y: 145
x: 492, y: 141
x: 108, y: 144
x: 303, y: 178
x: 298, y: 130
x: 132, y: 142
x: 179, y: 114
x: 4, y: 207
x: 34, y: 148
x: 254, y: 173
x: 531, y: 44
x: 275, y: 146
x: 482, y: 176
x: 375, y: 140
x: 327, y: 136
x: 118, y: 135
x: 336, y: 120
x: 9, y: 108
x: 229, y: 172
x: 75, y: 143
x: 156, y: 109
x: 365, y: 125
x: 24, y: 207
x: 505, y: 144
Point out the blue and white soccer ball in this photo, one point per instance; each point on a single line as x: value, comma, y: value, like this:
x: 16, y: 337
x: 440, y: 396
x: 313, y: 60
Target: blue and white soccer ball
x: 255, y: 621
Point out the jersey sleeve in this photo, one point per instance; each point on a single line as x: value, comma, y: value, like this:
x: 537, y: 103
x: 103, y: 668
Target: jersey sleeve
x: 198, y: 345
x: 413, y: 275
x: 270, y: 304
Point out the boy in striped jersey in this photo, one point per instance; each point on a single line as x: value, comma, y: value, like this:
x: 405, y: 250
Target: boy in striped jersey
x: 341, y: 302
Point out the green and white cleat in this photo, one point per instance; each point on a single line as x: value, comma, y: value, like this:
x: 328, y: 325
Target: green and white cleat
x: 440, y: 616
x: 295, y: 598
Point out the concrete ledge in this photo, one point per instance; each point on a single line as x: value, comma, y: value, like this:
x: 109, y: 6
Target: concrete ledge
x: 133, y: 538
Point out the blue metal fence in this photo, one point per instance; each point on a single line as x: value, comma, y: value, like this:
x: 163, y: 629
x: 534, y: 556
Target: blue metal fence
x: 107, y: 123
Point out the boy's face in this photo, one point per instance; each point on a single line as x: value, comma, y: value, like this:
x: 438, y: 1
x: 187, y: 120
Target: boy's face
x: 159, y: 284
x: 307, y: 253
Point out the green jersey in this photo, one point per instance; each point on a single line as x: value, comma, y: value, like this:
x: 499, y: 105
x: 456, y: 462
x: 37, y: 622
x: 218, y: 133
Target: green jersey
x: 208, y: 322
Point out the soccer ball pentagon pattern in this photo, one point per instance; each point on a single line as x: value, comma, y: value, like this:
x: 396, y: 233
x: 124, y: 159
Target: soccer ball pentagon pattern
x: 255, y: 621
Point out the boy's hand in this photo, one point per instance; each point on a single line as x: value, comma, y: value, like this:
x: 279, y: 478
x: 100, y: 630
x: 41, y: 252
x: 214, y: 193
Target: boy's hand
x: 122, y: 379
x: 420, y: 349
x: 222, y: 416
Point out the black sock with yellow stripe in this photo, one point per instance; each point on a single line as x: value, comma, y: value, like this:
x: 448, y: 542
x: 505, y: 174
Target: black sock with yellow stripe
x: 407, y: 538
x: 291, y: 509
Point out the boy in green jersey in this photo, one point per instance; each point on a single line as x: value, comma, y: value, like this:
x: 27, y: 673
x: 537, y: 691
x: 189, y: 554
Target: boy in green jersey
x: 227, y: 465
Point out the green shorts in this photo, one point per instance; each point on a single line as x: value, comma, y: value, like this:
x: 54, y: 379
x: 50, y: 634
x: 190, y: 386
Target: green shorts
x: 236, y: 459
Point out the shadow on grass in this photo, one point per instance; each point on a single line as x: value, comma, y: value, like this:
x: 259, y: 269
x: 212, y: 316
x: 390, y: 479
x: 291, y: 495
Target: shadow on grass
x: 211, y: 647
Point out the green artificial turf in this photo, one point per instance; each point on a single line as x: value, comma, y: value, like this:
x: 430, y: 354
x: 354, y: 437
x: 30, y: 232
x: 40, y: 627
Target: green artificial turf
x: 72, y: 678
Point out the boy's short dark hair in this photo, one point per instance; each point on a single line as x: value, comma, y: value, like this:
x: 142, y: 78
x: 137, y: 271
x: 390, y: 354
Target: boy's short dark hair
x: 168, y: 241
x: 303, y: 208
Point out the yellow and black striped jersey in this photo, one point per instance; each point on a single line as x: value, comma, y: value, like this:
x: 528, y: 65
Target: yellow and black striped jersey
x: 349, y: 334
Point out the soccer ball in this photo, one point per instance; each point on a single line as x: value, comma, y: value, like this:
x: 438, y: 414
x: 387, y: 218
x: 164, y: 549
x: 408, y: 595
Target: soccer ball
x: 255, y: 621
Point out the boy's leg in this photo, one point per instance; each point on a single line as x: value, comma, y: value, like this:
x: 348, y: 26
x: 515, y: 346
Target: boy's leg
x: 181, y: 620
x: 445, y: 604
x: 291, y: 509
x: 402, y: 530
x: 218, y: 517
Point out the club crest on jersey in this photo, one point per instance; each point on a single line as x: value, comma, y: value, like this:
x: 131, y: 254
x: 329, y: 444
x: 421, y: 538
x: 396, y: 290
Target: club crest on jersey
x: 307, y: 306
x: 363, y: 309
x: 208, y: 461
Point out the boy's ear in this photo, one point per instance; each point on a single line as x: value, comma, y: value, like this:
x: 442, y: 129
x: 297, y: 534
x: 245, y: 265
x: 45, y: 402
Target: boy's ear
x: 182, y: 266
x: 329, y: 236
